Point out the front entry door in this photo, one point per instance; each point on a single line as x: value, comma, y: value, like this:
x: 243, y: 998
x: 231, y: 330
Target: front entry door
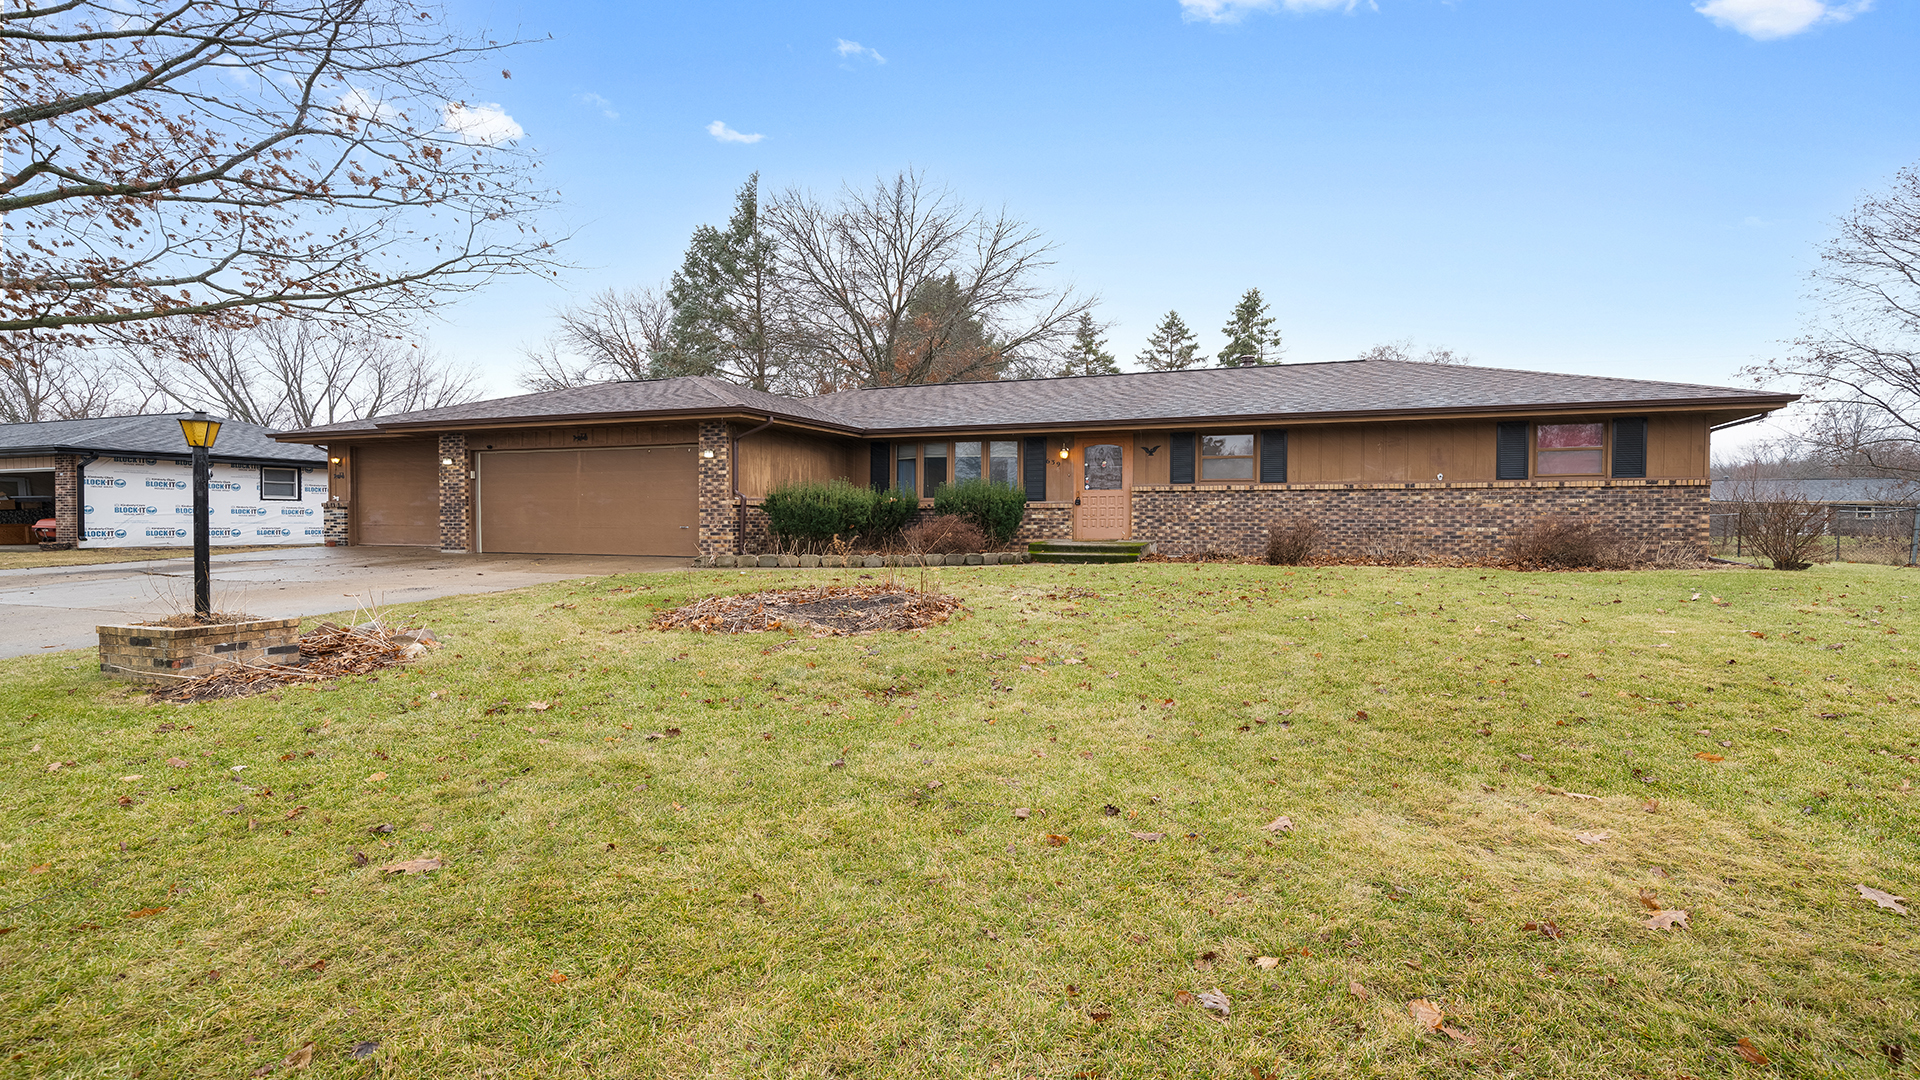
x: 1103, y: 507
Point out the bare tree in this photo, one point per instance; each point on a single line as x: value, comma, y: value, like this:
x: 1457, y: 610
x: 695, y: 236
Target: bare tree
x: 1859, y: 360
x: 294, y: 373
x: 78, y: 387
x: 1404, y: 350
x: 905, y: 284
x: 613, y: 335
x: 226, y: 159
x: 1783, y: 525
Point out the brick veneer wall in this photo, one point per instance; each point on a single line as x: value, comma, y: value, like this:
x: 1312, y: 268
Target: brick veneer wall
x: 137, y: 652
x: 719, y: 516
x: 456, y: 493
x: 1465, y: 521
x: 335, y: 522
x: 67, y: 500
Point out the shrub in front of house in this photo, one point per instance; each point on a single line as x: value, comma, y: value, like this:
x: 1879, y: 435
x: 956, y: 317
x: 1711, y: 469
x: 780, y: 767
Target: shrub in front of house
x: 1291, y: 544
x: 888, y: 512
x: 997, y: 509
x: 1565, y: 543
x: 808, y: 514
x: 945, y: 534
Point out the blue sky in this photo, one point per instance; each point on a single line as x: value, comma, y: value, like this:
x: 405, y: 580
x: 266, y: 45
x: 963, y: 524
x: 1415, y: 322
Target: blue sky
x: 1630, y: 187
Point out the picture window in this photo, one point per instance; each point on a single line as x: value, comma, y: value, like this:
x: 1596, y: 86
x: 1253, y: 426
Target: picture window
x: 1569, y: 449
x: 1226, y: 457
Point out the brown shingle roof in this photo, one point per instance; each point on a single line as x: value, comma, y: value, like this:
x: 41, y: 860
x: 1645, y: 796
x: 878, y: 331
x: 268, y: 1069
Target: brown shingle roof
x: 1275, y: 392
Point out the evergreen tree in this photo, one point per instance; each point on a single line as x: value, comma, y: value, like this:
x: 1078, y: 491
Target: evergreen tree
x: 723, y: 298
x: 1251, y: 338
x: 1172, y: 346
x: 1088, y: 354
x: 942, y: 340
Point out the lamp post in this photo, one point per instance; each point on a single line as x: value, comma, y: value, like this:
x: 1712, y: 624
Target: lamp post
x: 200, y: 431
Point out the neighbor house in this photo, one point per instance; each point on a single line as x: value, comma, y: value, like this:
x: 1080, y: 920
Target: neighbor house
x: 1441, y: 459
x: 126, y: 481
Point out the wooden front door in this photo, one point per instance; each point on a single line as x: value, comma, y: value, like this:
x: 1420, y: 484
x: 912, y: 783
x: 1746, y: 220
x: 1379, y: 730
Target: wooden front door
x: 1103, y: 470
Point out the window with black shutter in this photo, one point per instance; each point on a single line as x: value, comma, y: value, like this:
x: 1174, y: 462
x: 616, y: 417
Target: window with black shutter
x: 881, y: 476
x: 1033, y: 467
x: 1630, y: 447
x: 1273, y: 456
x: 1510, y: 450
x: 1180, y: 457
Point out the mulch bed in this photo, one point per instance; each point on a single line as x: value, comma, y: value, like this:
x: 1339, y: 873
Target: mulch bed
x: 328, y: 651
x: 828, y: 611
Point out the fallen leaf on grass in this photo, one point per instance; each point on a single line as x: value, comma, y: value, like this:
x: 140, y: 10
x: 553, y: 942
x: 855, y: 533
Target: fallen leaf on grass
x: 1150, y: 837
x: 1099, y: 1016
x: 556, y: 978
x: 383, y: 827
x: 1056, y: 840
x: 414, y: 866
x: 1425, y: 1014
x: 1183, y: 997
x: 539, y: 706
x: 1022, y: 813
x: 39, y: 868
x: 1206, y: 960
x: 1667, y: 920
x: 1281, y: 824
x: 1593, y: 836
x: 179, y: 763
x: 1704, y: 756
x: 144, y: 912
x: 1358, y: 991
x: 299, y: 1059
x: 1882, y: 898
x: 362, y: 1050
x: 1216, y: 1000
x: 131, y: 779
x: 1577, y: 795
x: 1547, y: 929
x: 1748, y: 1052
x: 376, y: 778
x: 1456, y: 1034
x: 1266, y: 963
x: 1647, y: 901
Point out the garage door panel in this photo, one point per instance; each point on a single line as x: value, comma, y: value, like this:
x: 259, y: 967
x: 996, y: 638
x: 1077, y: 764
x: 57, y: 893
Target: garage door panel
x: 630, y: 501
x: 396, y: 495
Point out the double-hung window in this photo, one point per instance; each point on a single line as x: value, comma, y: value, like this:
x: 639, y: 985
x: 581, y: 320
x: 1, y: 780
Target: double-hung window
x: 1226, y: 457
x: 280, y: 484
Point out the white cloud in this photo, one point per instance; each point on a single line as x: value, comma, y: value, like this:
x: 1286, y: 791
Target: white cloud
x: 598, y: 102
x: 487, y: 124
x: 853, y: 48
x: 719, y: 130
x: 1766, y: 20
x: 357, y: 102
x: 1226, y: 11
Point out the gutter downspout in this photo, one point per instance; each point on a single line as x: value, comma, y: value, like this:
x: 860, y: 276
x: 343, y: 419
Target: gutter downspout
x: 80, y: 493
x: 733, y: 472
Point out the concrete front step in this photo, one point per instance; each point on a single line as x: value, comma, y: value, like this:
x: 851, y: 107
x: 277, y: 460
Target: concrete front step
x: 1088, y: 551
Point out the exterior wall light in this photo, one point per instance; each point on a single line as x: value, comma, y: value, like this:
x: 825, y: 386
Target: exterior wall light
x: 336, y: 461
x: 446, y: 461
x: 706, y: 453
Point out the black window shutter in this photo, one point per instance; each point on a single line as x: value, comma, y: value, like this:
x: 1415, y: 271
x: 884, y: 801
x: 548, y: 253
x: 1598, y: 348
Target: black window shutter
x: 882, y: 476
x: 1510, y: 452
x: 1033, y: 467
x: 1273, y: 456
x: 1630, y: 447
x: 1180, y: 457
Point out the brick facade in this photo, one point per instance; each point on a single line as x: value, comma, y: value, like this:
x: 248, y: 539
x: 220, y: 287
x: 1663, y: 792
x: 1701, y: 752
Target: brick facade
x: 719, y: 516
x: 456, y: 494
x: 150, y: 653
x: 335, y: 522
x: 1046, y: 521
x: 1430, y: 520
x: 68, y: 499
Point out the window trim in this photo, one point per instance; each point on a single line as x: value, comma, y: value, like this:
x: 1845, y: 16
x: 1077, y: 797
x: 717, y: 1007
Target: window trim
x: 1201, y: 457
x: 987, y: 458
x: 1605, y: 447
x: 265, y: 469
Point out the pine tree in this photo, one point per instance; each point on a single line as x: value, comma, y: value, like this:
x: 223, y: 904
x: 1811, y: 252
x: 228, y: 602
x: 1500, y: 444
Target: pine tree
x: 1251, y: 338
x: 1172, y: 346
x: 723, y: 299
x: 1088, y: 354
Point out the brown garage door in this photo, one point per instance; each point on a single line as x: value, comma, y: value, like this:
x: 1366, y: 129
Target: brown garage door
x: 396, y: 495
x: 641, y: 500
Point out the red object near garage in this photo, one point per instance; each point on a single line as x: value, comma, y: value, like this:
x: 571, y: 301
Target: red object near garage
x: 45, y: 530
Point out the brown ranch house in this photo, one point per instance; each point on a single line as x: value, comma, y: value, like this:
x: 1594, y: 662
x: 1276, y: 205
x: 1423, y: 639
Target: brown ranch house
x: 1441, y: 459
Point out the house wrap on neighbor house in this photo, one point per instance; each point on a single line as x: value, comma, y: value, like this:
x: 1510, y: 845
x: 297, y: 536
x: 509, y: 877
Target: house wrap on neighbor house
x: 1449, y: 459
x: 127, y: 481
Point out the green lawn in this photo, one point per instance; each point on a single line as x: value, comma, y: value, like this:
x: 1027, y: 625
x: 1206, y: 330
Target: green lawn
x: 730, y: 902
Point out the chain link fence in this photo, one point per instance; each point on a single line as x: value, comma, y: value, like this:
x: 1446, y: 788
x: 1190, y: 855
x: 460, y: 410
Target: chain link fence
x: 1889, y: 535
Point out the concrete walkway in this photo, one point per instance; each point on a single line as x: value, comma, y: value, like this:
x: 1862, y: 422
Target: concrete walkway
x: 57, y: 607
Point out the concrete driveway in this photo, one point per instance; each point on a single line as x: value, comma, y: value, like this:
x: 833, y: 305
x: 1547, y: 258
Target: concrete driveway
x: 58, y: 607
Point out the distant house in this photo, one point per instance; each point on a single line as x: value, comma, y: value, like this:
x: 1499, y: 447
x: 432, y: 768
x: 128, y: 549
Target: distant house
x: 1858, y: 503
x: 1448, y: 459
x: 126, y: 481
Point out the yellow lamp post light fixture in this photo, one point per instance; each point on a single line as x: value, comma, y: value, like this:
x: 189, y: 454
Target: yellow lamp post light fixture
x: 200, y: 430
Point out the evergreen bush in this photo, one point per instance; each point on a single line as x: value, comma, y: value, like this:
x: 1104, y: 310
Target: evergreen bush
x: 809, y: 513
x: 997, y: 509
